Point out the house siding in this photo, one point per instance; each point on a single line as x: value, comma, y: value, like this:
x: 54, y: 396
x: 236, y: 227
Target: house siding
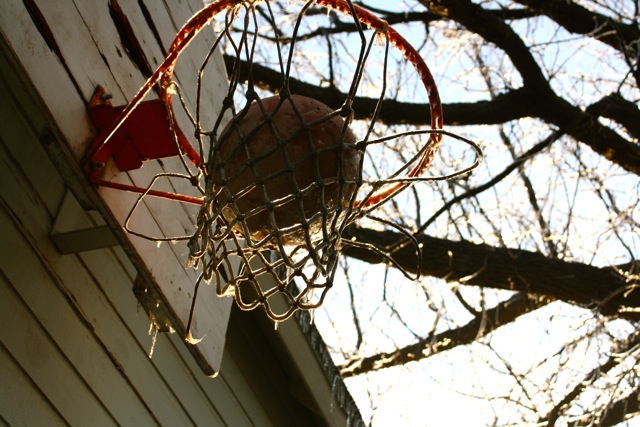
x: 74, y: 344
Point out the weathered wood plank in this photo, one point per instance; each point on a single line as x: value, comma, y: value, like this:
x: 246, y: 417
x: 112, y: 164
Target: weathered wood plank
x: 15, y: 409
x: 105, y: 327
x: 70, y: 324
x: 16, y: 131
x: 215, y: 75
x: 51, y: 371
x: 181, y: 372
x: 46, y: 72
x: 242, y: 386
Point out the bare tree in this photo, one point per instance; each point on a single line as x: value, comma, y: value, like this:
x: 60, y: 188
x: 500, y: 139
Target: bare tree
x: 544, y: 237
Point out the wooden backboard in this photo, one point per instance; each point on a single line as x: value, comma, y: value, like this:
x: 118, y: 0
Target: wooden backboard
x: 65, y: 49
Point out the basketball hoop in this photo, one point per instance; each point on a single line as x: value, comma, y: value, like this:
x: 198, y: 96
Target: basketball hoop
x: 281, y: 177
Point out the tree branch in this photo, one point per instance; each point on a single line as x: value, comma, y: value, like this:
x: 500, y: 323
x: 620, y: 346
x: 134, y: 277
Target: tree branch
x: 579, y: 20
x: 548, y: 106
x: 586, y: 128
x: 591, y: 377
x: 394, y: 18
x: 474, y: 191
x: 601, y: 289
x: 503, y: 108
x: 488, y: 321
x: 494, y: 30
x: 616, y: 413
x: 616, y: 108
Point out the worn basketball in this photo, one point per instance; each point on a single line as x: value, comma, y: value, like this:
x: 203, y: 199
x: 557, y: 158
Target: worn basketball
x: 286, y: 168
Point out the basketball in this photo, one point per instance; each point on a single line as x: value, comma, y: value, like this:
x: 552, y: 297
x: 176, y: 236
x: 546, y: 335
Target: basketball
x: 285, y: 169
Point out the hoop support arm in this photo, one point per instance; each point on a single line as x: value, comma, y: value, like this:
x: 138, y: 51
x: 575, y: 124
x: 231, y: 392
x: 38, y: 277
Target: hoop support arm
x: 147, y: 192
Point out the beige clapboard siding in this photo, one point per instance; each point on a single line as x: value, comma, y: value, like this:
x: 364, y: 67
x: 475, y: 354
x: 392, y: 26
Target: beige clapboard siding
x: 15, y: 410
x: 91, y: 53
x: 230, y: 393
x: 68, y: 318
x: 52, y: 372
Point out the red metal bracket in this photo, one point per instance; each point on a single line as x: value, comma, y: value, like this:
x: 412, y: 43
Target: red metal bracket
x: 145, y: 134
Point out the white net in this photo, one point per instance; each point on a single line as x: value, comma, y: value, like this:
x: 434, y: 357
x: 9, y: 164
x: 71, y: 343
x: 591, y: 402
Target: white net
x: 282, y: 177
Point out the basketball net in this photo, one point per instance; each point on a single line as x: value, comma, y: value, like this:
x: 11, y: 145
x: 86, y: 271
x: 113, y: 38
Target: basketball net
x: 276, y: 196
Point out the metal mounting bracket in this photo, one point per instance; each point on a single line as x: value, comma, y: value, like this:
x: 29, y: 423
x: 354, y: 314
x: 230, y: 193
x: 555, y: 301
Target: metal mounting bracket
x: 77, y: 230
